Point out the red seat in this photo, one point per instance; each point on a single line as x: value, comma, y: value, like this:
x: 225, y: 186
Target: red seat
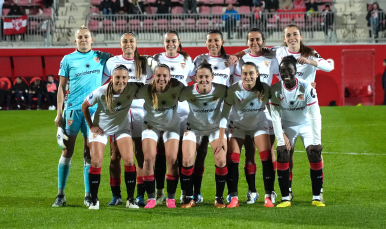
x: 190, y: 23
x: 6, y: 11
x: 218, y: 2
x: 217, y: 10
x: 93, y: 25
x: 162, y: 24
x: 204, y: 10
x: 5, y: 66
x: 36, y: 2
x: 35, y: 78
x: 32, y: 25
x: 203, y: 24
x: 94, y: 10
x: 205, y: 2
x: 22, y: 2
x: 28, y: 66
x: 134, y: 24
x: 107, y: 25
x: 5, y: 84
x: 177, y: 10
x: 175, y: 24
x: 150, y: 1
x: 96, y: 2
x: 47, y: 11
x: 148, y: 24
x: 121, y: 25
x: 245, y: 10
x: 149, y: 10
x: 231, y: 2
x: 52, y: 65
x: 33, y: 12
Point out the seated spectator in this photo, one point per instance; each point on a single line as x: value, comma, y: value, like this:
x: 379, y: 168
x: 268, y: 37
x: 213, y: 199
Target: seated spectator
x: 230, y: 16
x: 36, y: 90
x: 248, y: 2
x: 286, y: 5
x: 328, y: 19
x: 107, y: 7
x: 258, y: 19
x: 47, y: 3
x: 374, y: 18
x: 18, y: 91
x: 271, y: 5
x: 163, y: 7
x: 134, y: 7
x: 121, y: 6
x: 190, y: 6
x: 312, y: 6
x: 52, y: 91
x: 299, y: 4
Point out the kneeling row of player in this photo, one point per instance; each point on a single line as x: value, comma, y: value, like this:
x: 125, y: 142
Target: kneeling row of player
x: 248, y: 99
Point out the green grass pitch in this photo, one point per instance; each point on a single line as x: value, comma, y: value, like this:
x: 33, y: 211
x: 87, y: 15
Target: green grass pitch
x: 354, y: 141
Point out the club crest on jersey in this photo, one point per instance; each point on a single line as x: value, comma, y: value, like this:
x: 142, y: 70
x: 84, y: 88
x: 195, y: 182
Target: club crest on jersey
x: 96, y: 59
x: 69, y: 122
x: 301, y: 97
x: 241, y: 100
x: 183, y: 65
x: 174, y: 95
x: 267, y: 63
x: 215, y: 99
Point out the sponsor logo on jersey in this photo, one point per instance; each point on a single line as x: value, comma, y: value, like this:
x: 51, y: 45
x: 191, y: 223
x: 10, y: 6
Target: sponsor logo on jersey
x: 301, y: 97
x: 61, y: 65
x: 221, y: 75
x: 90, y: 96
x: 87, y: 65
x: 164, y: 109
x: 178, y: 77
x: 172, y: 68
x: 69, y: 122
x: 87, y: 72
x: 96, y: 59
x: 293, y: 109
x: 130, y: 70
x: 203, y: 111
x: 300, y: 73
x: 183, y: 65
x: 267, y: 63
x: 205, y: 104
x: 215, y: 67
x: 251, y: 104
x: 264, y: 75
x: 251, y: 110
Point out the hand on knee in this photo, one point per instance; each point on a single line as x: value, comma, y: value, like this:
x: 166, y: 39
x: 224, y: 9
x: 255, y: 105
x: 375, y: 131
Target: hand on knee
x: 314, y: 153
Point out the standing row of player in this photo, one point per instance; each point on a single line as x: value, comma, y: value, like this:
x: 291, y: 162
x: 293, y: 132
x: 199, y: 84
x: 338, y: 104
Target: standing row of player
x: 180, y: 67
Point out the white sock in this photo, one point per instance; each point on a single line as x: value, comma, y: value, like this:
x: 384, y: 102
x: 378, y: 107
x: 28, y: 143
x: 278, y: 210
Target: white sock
x: 286, y: 198
x: 316, y: 198
x: 65, y: 161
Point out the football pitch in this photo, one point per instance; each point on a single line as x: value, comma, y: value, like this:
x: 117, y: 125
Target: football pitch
x: 354, y: 149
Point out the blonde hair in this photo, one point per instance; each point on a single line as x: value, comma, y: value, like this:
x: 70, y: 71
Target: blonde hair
x: 152, y: 88
x: 81, y: 28
x: 109, y: 96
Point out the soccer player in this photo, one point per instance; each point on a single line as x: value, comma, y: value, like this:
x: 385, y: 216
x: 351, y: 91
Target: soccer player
x: 295, y: 111
x: 139, y: 71
x: 218, y: 59
x: 205, y: 100
x: 248, y: 99
x: 267, y: 67
x: 181, y: 66
x: 83, y: 69
x: 161, y: 118
x: 110, y: 119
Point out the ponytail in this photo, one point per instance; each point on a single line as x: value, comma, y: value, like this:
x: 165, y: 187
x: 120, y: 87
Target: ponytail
x: 259, y: 88
x: 222, y: 50
x: 304, y: 51
x: 140, y: 65
x: 184, y: 54
x: 109, y: 96
x: 153, y: 94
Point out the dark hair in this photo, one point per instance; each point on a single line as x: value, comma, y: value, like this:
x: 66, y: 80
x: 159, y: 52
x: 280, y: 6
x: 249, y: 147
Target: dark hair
x: 258, y: 85
x: 305, y: 51
x: 215, y: 31
x: 152, y: 88
x: 290, y: 60
x: 376, y: 3
x: 206, y: 65
x: 120, y: 67
x: 256, y: 30
x: 139, y: 61
x: 186, y: 55
x: 384, y: 60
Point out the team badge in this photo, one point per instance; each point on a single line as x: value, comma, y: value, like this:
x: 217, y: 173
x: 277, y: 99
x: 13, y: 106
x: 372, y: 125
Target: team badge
x: 94, y: 135
x: 186, y: 133
x: 90, y: 96
x: 301, y: 97
x: 69, y: 122
x: 215, y: 99
x: 281, y: 98
x: 183, y: 65
x: 241, y: 100
x: 174, y: 95
x: 96, y: 59
x: 267, y: 63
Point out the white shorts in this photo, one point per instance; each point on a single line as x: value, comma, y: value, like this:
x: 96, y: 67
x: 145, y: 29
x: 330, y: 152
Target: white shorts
x: 136, y: 120
x: 293, y: 131
x: 103, y: 138
x: 269, y: 121
x: 154, y: 133
x: 196, y: 135
x: 237, y: 132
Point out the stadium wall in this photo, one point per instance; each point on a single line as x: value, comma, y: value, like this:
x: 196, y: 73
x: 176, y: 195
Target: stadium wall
x: 44, y: 61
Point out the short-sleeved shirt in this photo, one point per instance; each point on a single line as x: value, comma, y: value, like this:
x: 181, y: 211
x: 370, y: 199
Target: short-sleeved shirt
x: 129, y: 63
x: 166, y: 113
x: 204, y: 109
x: 180, y: 68
x: 112, y: 121
x: 221, y: 72
x: 266, y: 63
x: 84, y: 71
x: 293, y: 101
x: 247, y: 109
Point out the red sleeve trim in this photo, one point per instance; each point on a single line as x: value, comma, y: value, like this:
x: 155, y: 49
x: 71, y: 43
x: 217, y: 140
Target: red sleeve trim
x: 88, y: 103
x: 274, y: 104
x: 106, y: 74
x: 237, y: 75
x: 227, y: 103
x: 150, y: 77
x: 311, y: 103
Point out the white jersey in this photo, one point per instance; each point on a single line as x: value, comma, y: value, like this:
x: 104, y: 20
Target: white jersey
x: 204, y: 109
x: 266, y: 63
x: 179, y: 68
x: 221, y: 72
x: 166, y: 114
x: 293, y: 102
x: 112, y: 121
x: 247, y: 109
x: 129, y: 63
x: 305, y: 72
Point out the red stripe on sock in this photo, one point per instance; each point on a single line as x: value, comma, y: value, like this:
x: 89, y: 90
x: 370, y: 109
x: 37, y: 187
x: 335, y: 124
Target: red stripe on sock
x: 290, y: 177
x: 199, y: 170
x: 139, y: 180
x: 282, y: 166
x: 250, y: 169
x: 115, y: 182
x: 274, y: 165
x: 93, y: 170
x: 222, y: 171
x: 148, y: 178
x: 130, y: 168
x: 265, y: 155
x: 187, y: 172
x: 171, y: 177
x: 234, y: 157
x: 317, y: 166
